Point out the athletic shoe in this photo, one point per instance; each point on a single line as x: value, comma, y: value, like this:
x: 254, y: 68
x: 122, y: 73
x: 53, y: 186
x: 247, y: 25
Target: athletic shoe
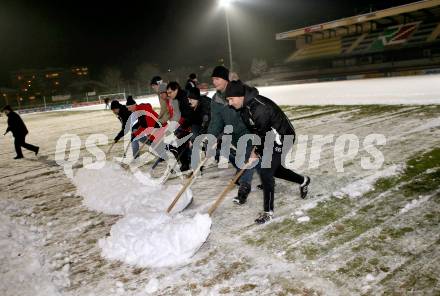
x: 36, y: 151
x: 243, y: 193
x: 304, y: 187
x: 18, y: 157
x: 264, y: 218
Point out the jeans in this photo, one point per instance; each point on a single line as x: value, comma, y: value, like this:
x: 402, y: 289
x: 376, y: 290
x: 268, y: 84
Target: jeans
x: 135, y: 145
x: 248, y: 174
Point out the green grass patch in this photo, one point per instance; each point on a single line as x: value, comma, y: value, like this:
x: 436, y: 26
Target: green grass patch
x: 375, y: 110
x: 324, y: 213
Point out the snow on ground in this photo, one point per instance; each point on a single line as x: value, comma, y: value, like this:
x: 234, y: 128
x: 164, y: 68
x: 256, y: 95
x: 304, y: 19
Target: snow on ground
x: 362, y: 186
x: 114, y: 191
x: 21, y: 269
x: 156, y: 239
x: 382, y: 242
x: 391, y: 91
x: 146, y: 236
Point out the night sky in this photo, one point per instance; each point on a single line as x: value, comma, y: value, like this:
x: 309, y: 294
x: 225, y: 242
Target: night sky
x: 40, y: 34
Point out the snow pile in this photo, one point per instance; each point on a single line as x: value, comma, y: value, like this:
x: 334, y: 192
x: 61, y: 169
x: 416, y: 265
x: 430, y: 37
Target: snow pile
x: 146, y: 236
x: 362, y: 186
x: 23, y: 270
x: 156, y: 240
x: 115, y: 191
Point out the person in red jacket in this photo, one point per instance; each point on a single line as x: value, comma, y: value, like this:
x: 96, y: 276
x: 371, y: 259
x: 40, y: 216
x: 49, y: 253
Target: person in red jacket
x: 147, y: 122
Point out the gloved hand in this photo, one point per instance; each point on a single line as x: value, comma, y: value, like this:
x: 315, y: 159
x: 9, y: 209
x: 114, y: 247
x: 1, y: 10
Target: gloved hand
x: 179, y: 132
x: 205, y: 145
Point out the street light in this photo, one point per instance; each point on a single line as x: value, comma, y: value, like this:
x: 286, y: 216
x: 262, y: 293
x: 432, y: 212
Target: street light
x: 225, y: 4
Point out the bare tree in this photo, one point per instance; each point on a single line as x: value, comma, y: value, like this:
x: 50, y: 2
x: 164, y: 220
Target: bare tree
x: 144, y: 73
x: 112, y: 78
x: 258, y: 67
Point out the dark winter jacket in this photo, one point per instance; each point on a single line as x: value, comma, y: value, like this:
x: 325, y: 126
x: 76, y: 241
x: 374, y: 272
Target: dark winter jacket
x: 123, y: 116
x: 190, y: 84
x: 262, y: 115
x: 222, y: 115
x: 186, y: 112
x: 202, y: 114
x: 16, y: 125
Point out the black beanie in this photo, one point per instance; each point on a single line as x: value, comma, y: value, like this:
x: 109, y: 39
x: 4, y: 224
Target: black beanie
x: 7, y: 107
x: 115, y: 105
x: 130, y: 101
x: 221, y: 72
x: 194, y: 93
x: 155, y: 80
x: 235, y: 89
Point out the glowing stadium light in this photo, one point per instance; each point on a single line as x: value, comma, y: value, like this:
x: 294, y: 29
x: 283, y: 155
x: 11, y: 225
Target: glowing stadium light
x: 225, y: 3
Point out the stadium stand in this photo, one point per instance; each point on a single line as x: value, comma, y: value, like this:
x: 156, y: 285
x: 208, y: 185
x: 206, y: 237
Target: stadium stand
x: 401, y: 40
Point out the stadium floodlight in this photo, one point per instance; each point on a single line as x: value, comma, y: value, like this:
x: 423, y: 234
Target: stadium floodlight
x: 225, y: 3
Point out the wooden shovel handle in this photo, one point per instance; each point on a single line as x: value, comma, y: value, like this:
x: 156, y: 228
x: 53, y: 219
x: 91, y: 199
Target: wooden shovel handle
x: 231, y: 185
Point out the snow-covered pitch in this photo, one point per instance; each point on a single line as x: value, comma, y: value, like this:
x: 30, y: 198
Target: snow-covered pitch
x: 360, y: 232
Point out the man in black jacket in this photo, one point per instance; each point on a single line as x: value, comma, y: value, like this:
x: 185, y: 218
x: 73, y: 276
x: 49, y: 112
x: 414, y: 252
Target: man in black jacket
x: 19, y: 131
x: 123, y: 115
x: 264, y: 117
x: 202, y: 112
x: 183, y: 114
x: 191, y: 82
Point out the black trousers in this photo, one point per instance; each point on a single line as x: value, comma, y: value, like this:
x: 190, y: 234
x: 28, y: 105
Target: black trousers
x: 267, y: 179
x: 20, y: 142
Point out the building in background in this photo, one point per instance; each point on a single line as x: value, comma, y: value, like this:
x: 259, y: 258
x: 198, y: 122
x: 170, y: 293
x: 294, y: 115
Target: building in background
x: 34, y: 86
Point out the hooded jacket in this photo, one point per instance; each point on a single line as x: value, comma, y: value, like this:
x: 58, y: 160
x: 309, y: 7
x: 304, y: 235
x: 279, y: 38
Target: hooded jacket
x: 186, y: 112
x: 222, y: 115
x: 123, y: 116
x: 16, y: 125
x: 262, y: 115
x: 202, y: 113
x: 148, y: 121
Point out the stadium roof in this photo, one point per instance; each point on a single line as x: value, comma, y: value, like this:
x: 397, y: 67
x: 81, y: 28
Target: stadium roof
x: 425, y: 6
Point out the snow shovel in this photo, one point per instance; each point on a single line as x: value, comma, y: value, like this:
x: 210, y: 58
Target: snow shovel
x: 221, y: 197
x: 228, y: 188
x: 110, y: 149
x: 189, y: 182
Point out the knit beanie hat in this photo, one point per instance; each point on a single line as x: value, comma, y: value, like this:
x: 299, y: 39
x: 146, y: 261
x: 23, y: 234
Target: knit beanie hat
x: 115, y: 105
x: 155, y: 80
x: 194, y: 93
x: 130, y: 101
x: 235, y: 89
x: 162, y: 88
x: 221, y: 72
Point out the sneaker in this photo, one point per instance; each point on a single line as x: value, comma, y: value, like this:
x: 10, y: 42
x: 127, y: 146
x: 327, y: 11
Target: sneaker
x: 242, y: 194
x: 304, y: 187
x: 18, y: 157
x: 264, y: 218
x: 36, y: 151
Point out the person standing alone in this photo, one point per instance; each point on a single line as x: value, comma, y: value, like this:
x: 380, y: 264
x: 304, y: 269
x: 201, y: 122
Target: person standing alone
x: 18, y: 129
